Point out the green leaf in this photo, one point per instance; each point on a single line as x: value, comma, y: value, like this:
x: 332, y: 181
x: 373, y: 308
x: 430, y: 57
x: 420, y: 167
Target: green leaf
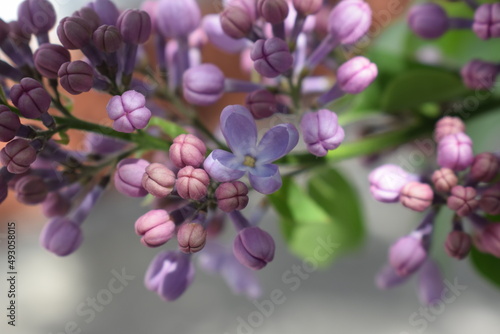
x: 169, y: 128
x: 487, y: 265
x: 323, y: 223
x: 415, y: 87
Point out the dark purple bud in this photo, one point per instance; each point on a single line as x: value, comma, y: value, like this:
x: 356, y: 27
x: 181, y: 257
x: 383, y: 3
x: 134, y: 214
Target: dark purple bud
x: 458, y: 244
x: 249, y: 6
x: 489, y: 238
x: 128, y: 177
x: 103, y: 145
x: 428, y: 21
x: 18, y: 33
x: 76, y: 77
x: 254, y: 248
x: 134, y: 26
x: 321, y: 131
x: 273, y: 11
x: 55, y: 205
x: 307, y: 7
x: 107, y: 39
x: 487, y: 21
x: 106, y: 10
x: 232, y: 196
x: 416, y: 196
x: 89, y: 15
x: 192, y: 183
x: 31, y: 190
x: 261, y: 103
x: 203, y: 85
x: 447, y: 126
x: 455, y: 152
x: 61, y: 236
x: 236, y: 22
x: 463, y: 200
x: 349, y: 21
x: 17, y: 156
x: 9, y: 124
x: 158, y: 180
x: 128, y: 111
x: 478, y: 74
x: 490, y: 200
x: 355, y: 75
x: 30, y: 98
x: 212, y: 27
x: 187, y: 150
x: 271, y: 57
x: 49, y: 58
x: 485, y: 167
x: 74, y: 32
x: 178, y: 18
x: 36, y: 16
x: 155, y: 228
x: 444, y: 179
x: 191, y: 237
x: 407, y: 255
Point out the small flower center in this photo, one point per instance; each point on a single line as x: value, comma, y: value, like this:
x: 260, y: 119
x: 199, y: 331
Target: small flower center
x: 249, y: 161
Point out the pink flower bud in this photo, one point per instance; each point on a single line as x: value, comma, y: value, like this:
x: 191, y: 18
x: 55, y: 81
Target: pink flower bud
x: 191, y: 237
x: 31, y: 190
x: 458, y: 244
x: 307, y: 7
x: 232, y: 196
x: 490, y: 200
x: 355, y: 75
x: 417, y: 196
x: 128, y: 111
x: 350, y: 20
x: 187, y: 150
x: 463, y: 200
x: 203, y: 85
x: 128, y: 177
x: 192, y: 183
x: 55, y: 205
x: 407, y: 255
x: 444, y: 179
x: 387, y: 181
x: 455, y: 152
x: 484, y: 167
x: 158, y: 180
x: 447, y: 126
x: 17, y: 156
x: 321, y: 131
x: 236, y: 22
x: 273, y: 11
x: 254, y: 247
x: 61, y: 236
x: 478, y: 74
x: 155, y: 228
x: 261, y: 103
x: 489, y: 237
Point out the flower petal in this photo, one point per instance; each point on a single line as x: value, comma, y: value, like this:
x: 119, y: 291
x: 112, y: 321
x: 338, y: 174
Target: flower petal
x: 265, y: 179
x: 277, y: 142
x: 239, y: 129
x: 222, y: 166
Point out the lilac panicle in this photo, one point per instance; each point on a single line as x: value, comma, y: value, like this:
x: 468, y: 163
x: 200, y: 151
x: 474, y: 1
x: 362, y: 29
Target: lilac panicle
x: 428, y: 20
x: 61, y: 236
x: 158, y: 180
x: 487, y: 21
x: 178, y: 18
x: 155, y: 228
x: 106, y: 10
x: 239, y: 130
x: 17, y: 156
x: 128, y: 111
x: 30, y: 98
x: 321, y: 131
x: 203, y: 85
x: 430, y: 283
x: 76, y: 77
x: 271, y: 57
x: 49, y: 58
x: 187, y: 150
x: 128, y: 177
x: 212, y: 27
x: 387, y: 181
x: 254, y: 247
x: 9, y: 124
x: 455, y: 152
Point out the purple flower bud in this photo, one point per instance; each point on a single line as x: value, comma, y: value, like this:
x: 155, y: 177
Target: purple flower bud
x: 55, y: 205
x: 478, y: 74
x: 17, y: 156
x: 254, y: 247
x: 349, y: 21
x: 321, y: 131
x: 249, y: 6
x: 74, y: 32
x: 455, y: 152
x: 170, y: 274
x: 203, y: 85
x: 31, y: 190
x: 273, y: 11
x: 187, y: 150
x: 463, y: 200
x: 407, y: 255
x: 490, y: 200
x: 30, y: 98
x: 236, y: 22
x: 192, y: 183
x: 458, y: 244
x: 61, y: 236
x: 484, y: 167
x: 489, y: 237
x: 128, y: 111
x: 416, y: 196
x: 76, y: 77
x: 430, y: 283
x: 135, y: 26
x: 232, y: 196
x: 36, y: 16
x: 178, y: 18
x: 191, y: 237
x: 487, y: 21
x: 158, y: 180
x: 155, y: 227
x: 388, y: 278
x: 212, y: 27
x: 106, y: 10
x: 261, y: 103
x: 107, y: 39
x: 356, y: 74
x: 387, y: 181
x: 128, y: 177
x: 9, y: 124
x: 307, y: 7
x: 17, y: 33
x: 271, y: 57
x: 444, y: 179
x: 89, y: 15
x: 446, y: 126
x: 49, y: 58
x: 428, y: 21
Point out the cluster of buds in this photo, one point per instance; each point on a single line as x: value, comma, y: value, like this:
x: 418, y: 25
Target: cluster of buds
x: 464, y: 183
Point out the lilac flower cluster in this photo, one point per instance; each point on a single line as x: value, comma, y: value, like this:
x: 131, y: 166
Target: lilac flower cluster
x: 465, y: 183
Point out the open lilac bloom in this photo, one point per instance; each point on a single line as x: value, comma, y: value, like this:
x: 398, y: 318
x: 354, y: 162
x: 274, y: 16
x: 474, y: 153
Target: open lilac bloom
x: 239, y: 130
